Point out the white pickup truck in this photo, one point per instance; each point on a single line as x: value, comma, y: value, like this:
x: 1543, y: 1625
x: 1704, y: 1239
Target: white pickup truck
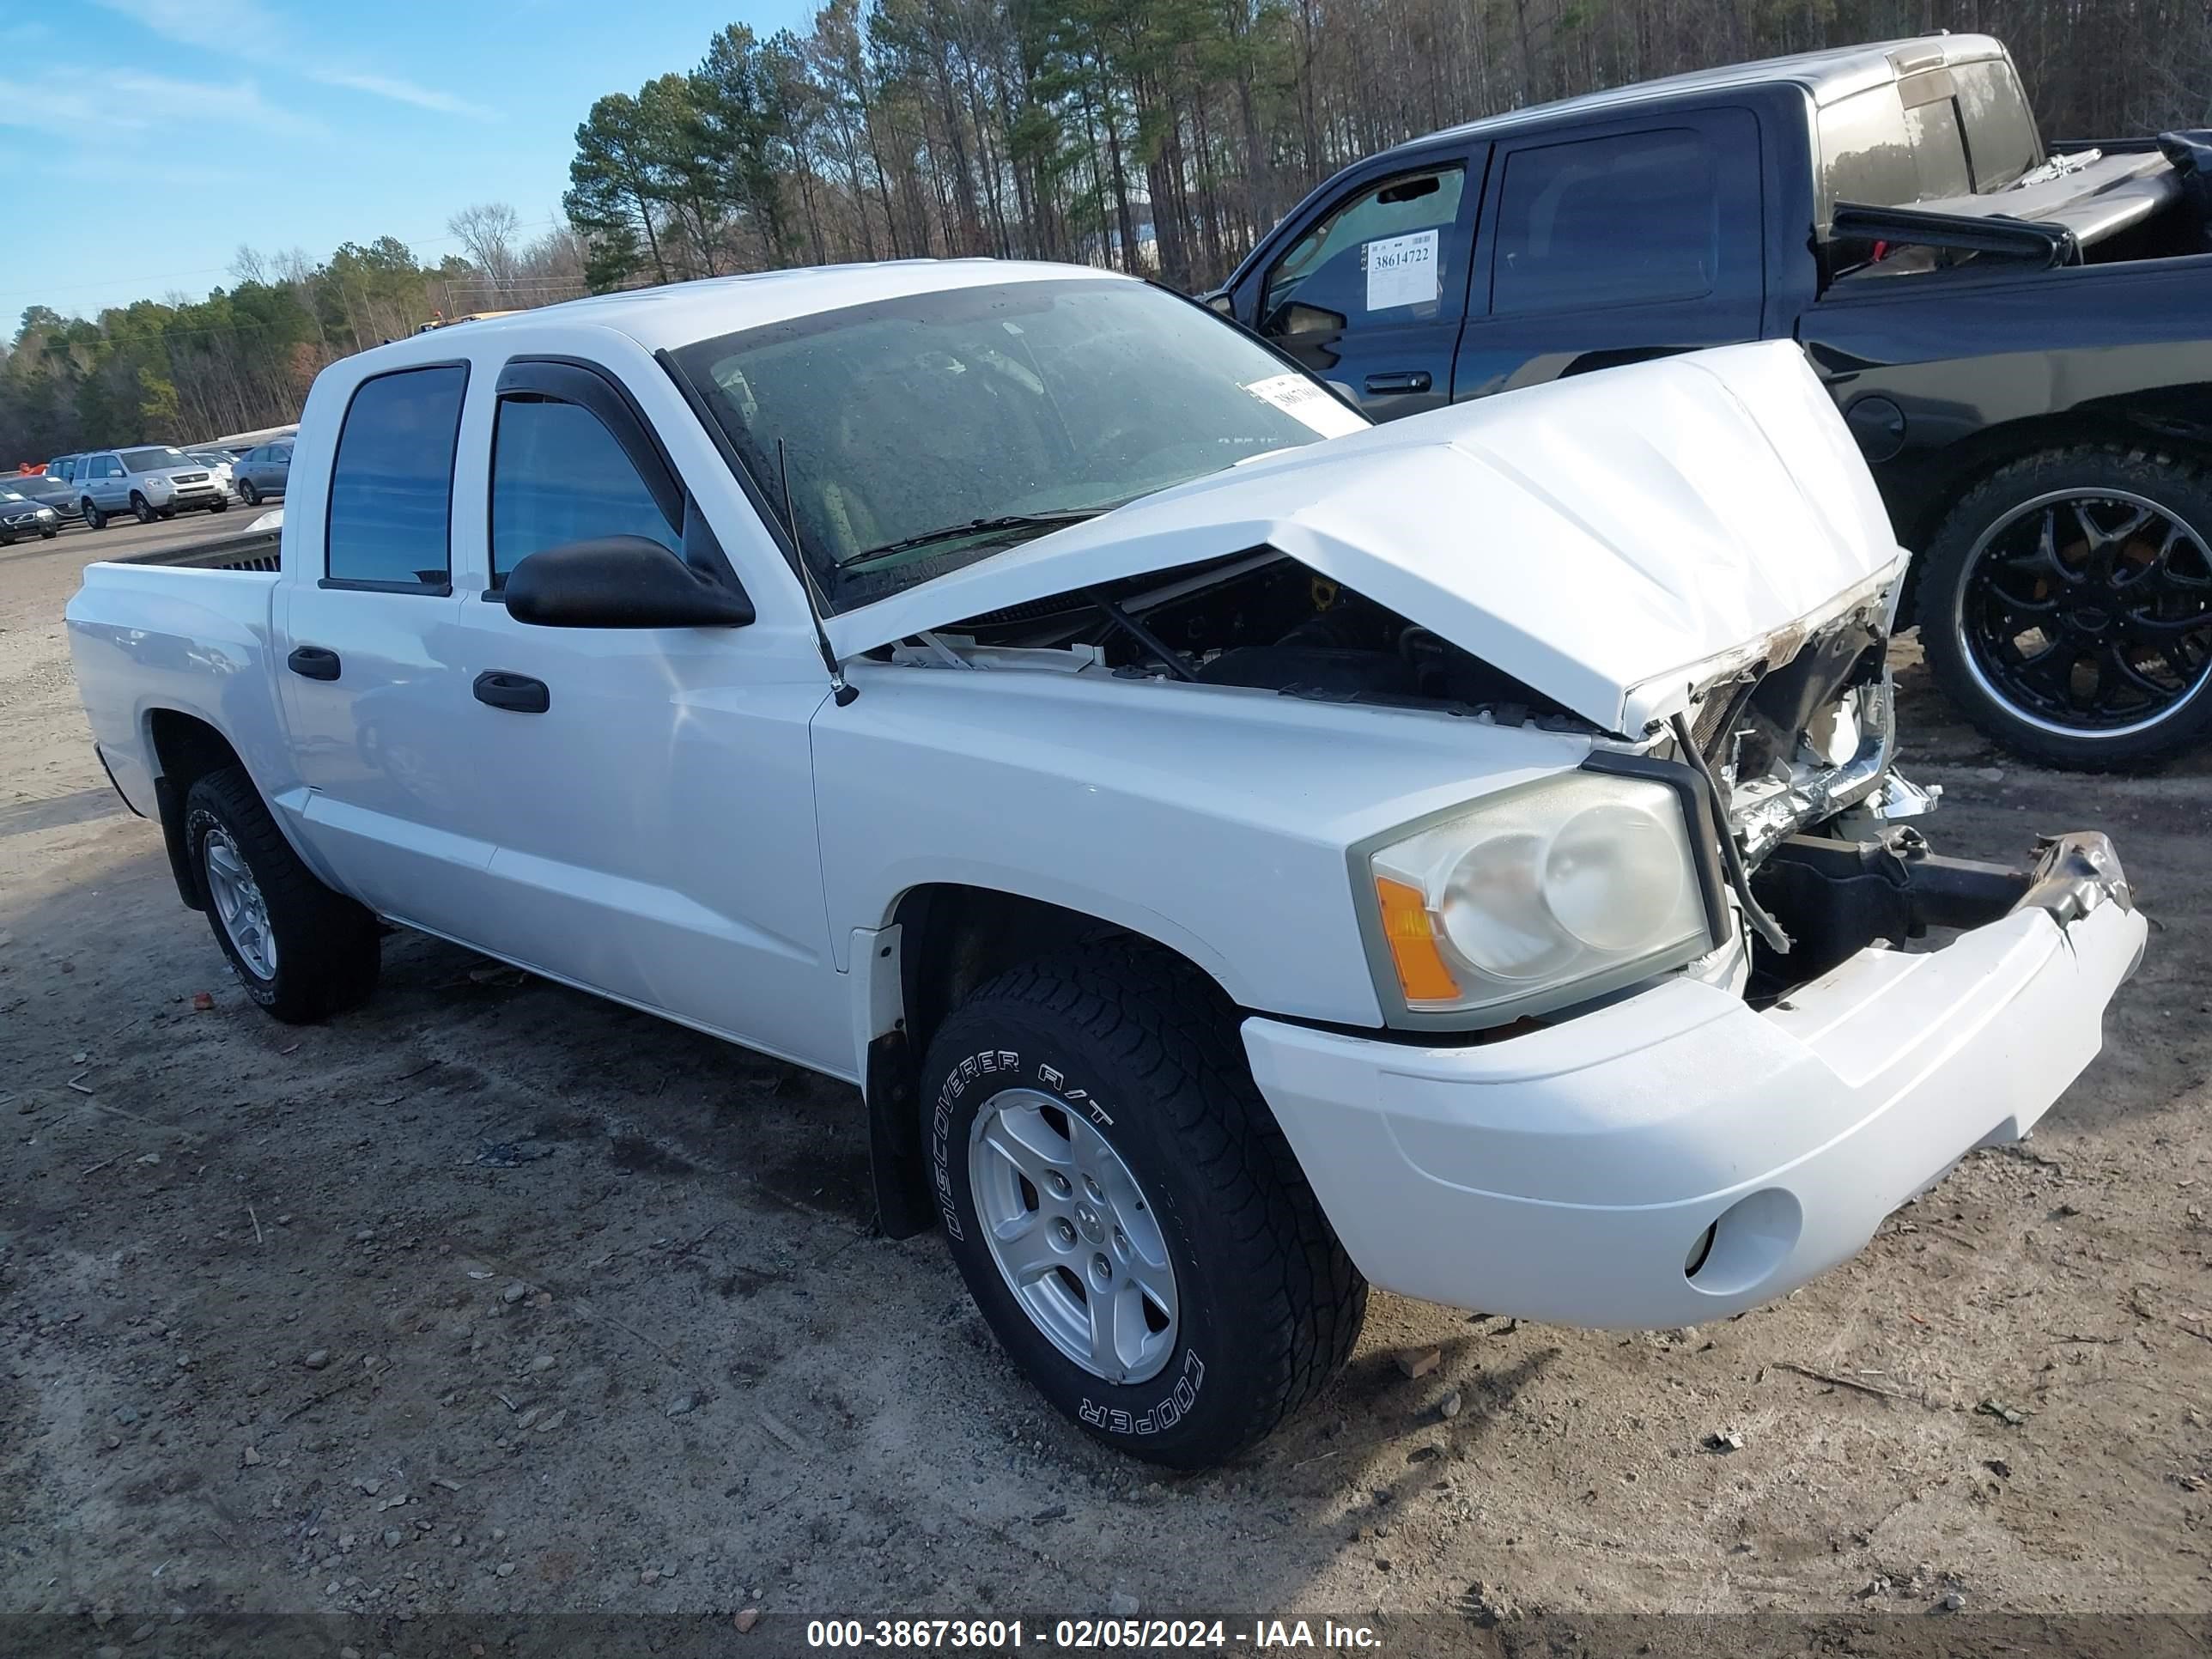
x: 1241, y: 855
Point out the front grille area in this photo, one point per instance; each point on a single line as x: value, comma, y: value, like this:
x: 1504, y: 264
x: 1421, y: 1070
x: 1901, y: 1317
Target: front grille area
x: 188, y: 477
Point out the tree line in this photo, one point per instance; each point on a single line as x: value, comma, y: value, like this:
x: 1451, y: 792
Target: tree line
x: 1167, y: 135
x: 179, y: 370
x: 1158, y: 135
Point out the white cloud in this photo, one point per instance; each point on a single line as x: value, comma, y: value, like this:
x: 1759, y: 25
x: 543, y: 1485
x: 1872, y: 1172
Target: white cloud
x: 405, y: 92
x: 130, y: 100
x: 246, y: 29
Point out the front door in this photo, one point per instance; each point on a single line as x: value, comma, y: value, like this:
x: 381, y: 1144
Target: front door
x: 1371, y: 294
x: 648, y: 793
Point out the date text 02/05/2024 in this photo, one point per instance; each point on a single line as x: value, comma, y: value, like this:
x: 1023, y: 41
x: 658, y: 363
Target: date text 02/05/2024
x: 994, y: 1635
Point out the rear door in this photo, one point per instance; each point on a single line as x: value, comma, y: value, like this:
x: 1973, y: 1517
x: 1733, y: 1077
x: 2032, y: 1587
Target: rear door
x: 1369, y: 293
x: 371, y: 681
x: 1634, y: 240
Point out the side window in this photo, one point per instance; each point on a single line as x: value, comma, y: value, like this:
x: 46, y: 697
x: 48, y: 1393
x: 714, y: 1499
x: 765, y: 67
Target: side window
x: 107, y: 467
x: 1394, y: 252
x: 557, y: 476
x: 392, y: 485
x: 1637, y: 219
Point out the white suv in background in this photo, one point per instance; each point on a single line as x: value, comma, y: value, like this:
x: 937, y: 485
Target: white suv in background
x: 151, y: 481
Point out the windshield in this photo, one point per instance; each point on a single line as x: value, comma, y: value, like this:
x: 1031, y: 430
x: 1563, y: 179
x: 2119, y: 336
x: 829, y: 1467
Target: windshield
x: 154, y: 460
x: 922, y: 434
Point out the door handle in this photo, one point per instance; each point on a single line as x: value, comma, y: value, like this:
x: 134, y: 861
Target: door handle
x: 1411, y: 380
x: 519, y: 692
x: 312, y: 662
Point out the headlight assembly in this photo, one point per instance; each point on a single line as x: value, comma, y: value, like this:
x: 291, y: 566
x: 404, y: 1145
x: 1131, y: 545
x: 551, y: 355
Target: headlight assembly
x: 1531, y: 899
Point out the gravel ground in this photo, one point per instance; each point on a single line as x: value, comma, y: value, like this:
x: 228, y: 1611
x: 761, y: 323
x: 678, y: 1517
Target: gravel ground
x: 492, y: 1296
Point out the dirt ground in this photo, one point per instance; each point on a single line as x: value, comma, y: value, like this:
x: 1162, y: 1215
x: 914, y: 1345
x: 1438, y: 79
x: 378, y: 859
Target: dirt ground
x: 494, y: 1297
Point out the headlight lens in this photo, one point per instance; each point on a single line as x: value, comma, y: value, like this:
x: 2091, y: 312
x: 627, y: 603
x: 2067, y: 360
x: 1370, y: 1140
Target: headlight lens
x: 1584, y: 878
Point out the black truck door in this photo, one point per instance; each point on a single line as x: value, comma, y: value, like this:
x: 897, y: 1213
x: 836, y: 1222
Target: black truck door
x: 1369, y: 291
x: 1637, y: 238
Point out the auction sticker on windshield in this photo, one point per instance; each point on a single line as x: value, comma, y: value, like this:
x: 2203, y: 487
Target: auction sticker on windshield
x: 1402, y: 270
x: 1306, y: 404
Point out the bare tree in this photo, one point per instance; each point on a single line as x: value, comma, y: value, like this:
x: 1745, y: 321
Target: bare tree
x: 488, y: 233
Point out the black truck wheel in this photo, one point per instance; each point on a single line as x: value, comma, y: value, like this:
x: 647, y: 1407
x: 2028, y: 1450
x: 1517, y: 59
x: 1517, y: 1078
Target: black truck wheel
x: 1125, y: 1211
x: 2066, y: 607
x: 301, y: 951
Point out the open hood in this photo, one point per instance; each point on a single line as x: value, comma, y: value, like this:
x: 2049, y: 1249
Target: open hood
x: 1609, y: 540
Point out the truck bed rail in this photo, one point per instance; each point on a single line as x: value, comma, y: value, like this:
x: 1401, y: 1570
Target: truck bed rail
x: 253, y: 551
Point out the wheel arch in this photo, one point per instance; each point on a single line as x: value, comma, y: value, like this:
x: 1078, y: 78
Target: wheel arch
x: 185, y: 749
x: 942, y: 940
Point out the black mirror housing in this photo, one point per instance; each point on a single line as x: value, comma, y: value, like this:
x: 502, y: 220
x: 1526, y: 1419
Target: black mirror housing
x: 620, y: 581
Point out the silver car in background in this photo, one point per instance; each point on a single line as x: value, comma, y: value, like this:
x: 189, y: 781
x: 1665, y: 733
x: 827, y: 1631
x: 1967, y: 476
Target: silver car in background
x: 259, y: 473
x: 149, y: 482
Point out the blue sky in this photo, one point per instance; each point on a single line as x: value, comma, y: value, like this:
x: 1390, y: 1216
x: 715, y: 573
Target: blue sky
x: 202, y: 124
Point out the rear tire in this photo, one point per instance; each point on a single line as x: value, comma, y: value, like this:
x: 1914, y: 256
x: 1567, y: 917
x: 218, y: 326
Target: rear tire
x: 301, y: 951
x: 1224, y: 1299
x: 2060, y: 602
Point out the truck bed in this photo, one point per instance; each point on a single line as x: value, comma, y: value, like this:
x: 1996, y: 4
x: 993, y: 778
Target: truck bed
x: 194, y: 639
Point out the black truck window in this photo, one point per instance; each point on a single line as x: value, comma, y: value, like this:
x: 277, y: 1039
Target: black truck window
x: 1389, y: 253
x: 2002, y: 141
x: 392, y: 486
x: 1630, y: 219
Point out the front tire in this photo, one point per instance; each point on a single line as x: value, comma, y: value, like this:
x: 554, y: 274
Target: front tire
x: 301, y: 951
x: 94, y: 518
x: 140, y: 509
x: 1126, y: 1212
x: 247, y: 493
x: 220, y: 504
x: 2066, y: 607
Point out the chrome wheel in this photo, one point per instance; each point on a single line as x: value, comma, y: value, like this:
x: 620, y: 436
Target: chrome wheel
x: 238, y: 903
x: 2088, y: 612
x: 1078, y: 1240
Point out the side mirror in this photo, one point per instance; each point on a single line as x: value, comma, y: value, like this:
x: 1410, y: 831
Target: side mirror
x: 1221, y: 300
x: 620, y: 581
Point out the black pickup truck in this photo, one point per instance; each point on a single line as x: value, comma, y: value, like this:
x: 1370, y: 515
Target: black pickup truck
x: 2021, y: 340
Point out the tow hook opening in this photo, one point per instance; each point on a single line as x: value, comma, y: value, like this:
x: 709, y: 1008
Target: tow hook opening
x: 1746, y: 1244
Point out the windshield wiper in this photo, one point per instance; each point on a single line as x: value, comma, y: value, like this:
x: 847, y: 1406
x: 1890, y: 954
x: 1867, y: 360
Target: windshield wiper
x: 953, y: 532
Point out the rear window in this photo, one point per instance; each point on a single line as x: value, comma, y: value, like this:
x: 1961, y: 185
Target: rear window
x: 392, y: 485
x: 2001, y: 140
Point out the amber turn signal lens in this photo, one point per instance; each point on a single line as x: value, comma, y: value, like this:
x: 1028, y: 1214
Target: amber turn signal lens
x: 1422, y: 975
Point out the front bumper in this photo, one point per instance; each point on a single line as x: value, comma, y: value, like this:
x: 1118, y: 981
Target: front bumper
x: 1675, y: 1157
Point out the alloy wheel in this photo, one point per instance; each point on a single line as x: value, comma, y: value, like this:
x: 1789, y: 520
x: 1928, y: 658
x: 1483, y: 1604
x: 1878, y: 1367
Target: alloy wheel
x: 1074, y: 1235
x: 2088, y: 612
x: 238, y: 902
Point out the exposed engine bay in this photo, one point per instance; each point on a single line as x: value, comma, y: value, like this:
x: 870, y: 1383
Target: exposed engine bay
x: 1264, y: 622
x: 1794, y: 734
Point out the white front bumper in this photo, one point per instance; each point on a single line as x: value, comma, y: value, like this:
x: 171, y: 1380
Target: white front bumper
x: 1571, y: 1175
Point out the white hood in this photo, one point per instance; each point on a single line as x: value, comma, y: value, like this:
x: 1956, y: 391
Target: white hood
x: 1606, y: 540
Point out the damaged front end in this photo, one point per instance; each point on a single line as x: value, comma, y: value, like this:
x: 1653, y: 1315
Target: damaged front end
x: 1797, y: 746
